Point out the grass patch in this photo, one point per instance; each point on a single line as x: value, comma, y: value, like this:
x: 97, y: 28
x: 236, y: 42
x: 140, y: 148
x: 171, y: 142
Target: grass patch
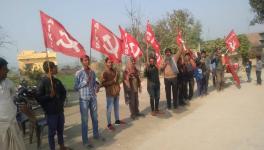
x: 67, y: 80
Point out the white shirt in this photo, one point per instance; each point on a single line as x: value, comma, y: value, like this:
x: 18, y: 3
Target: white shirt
x: 7, y: 106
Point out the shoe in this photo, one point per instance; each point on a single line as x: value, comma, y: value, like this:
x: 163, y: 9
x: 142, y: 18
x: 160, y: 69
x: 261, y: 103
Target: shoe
x: 89, y: 146
x: 99, y: 138
x: 119, y: 122
x: 153, y: 113
x: 65, y: 148
x: 111, y: 127
x: 158, y: 112
x: 133, y: 117
x: 140, y: 115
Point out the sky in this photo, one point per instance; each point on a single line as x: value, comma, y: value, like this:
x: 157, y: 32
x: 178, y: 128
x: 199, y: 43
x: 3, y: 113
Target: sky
x: 20, y: 20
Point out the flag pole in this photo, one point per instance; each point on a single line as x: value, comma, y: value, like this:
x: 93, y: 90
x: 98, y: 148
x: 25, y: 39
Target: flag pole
x: 49, y: 74
x: 91, y: 53
x: 147, y: 52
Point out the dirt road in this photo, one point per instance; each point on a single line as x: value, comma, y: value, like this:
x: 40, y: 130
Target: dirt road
x: 229, y: 120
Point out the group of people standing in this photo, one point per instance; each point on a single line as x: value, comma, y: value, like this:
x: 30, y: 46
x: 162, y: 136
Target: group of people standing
x: 180, y: 71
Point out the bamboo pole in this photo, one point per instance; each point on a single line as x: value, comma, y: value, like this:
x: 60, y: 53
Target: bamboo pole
x: 147, y: 53
x: 49, y: 74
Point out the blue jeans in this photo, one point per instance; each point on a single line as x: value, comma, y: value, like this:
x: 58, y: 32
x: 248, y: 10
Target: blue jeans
x: 55, y: 125
x: 248, y: 75
x: 110, y: 101
x: 85, y: 106
x: 154, y: 94
x: 199, y: 87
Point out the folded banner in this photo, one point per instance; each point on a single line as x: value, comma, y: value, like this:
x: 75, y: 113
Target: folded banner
x: 130, y: 45
x: 58, y: 39
x: 232, y: 42
x: 104, y: 41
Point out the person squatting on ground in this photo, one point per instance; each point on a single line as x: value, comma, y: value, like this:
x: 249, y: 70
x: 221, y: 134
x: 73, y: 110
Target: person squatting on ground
x: 153, y: 84
x: 110, y: 80
x: 85, y: 83
x: 171, y: 71
x: 51, y: 95
x: 132, y: 85
x: 258, y: 69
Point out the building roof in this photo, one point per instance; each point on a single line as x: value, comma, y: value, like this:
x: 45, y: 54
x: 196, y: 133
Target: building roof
x: 31, y: 54
x: 255, y: 39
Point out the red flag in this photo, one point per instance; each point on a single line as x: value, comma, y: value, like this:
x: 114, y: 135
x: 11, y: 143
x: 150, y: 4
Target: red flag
x: 232, y: 42
x: 58, y: 39
x: 179, y: 41
x: 103, y: 40
x: 129, y: 44
x: 158, y: 56
x: 150, y: 38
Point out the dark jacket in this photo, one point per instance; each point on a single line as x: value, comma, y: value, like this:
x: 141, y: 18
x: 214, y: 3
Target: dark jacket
x: 152, y: 74
x: 51, y: 105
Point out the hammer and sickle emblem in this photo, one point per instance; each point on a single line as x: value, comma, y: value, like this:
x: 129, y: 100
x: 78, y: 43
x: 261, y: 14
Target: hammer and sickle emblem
x: 149, y: 35
x: 70, y: 43
x: 110, y: 49
x: 232, y: 45
x: 136, y: 51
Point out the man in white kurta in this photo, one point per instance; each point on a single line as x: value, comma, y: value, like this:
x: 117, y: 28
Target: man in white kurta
x: 10, y: 135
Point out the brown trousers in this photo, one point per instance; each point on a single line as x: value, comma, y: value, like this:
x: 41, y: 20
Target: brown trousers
x: 133, y: 103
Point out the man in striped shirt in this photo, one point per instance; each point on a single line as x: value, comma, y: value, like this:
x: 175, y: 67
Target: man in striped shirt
x: 85, y: 83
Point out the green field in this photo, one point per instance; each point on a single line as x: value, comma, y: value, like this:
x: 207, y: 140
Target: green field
x: 67, y: 80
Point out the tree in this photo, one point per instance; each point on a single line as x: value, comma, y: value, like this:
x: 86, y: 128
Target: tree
x: 136, y: 28
x: 244, y: 47
x: 166, y: 29
x: 4, y: 38
x: 258, y: 8
x: 33, y: 74
x: 211, y: 45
